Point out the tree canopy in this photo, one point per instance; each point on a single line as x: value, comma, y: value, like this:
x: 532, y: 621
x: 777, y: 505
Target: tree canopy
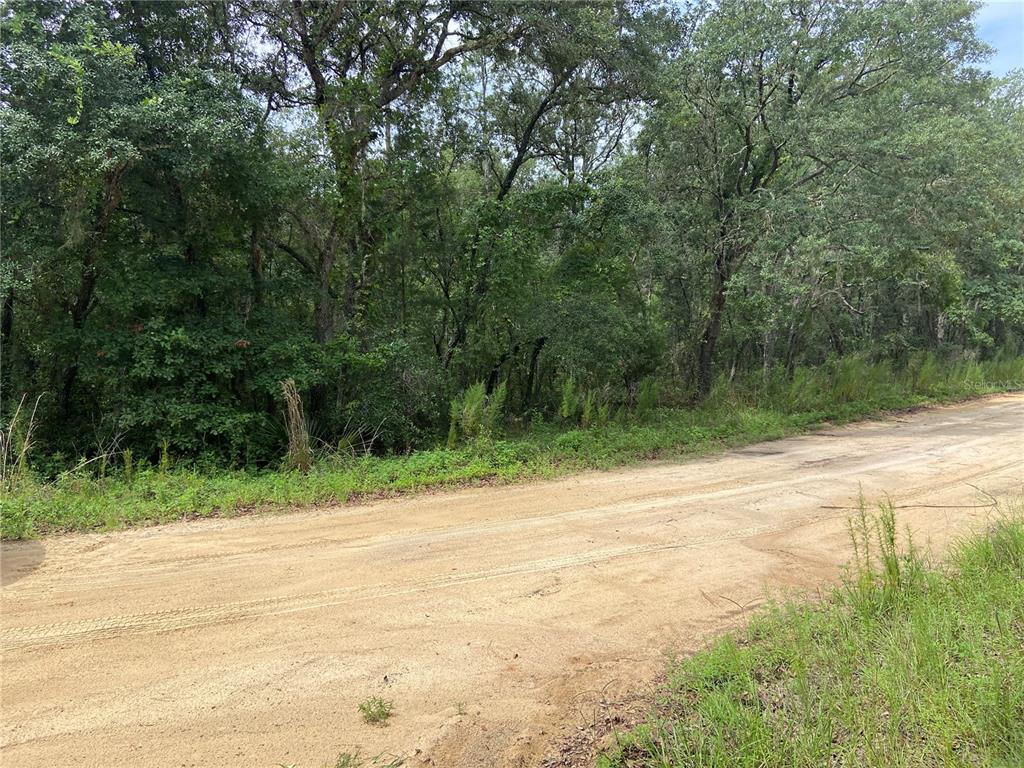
x: 391, y: 201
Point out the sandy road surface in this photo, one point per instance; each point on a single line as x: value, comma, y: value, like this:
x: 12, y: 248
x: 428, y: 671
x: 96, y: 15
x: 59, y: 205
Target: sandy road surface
x: 493, y: 617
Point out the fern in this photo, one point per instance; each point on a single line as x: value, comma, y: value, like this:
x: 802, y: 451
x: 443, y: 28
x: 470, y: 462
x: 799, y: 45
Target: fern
x: 494, y: 409
x: 476, y: 414
x: 570, y: 406
x: 589, y: 411
x: 647, y: 397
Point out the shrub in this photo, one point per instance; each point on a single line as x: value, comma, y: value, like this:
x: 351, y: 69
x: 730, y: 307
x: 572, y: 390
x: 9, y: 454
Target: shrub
x: 494, y: 410
x: 476, y: 414
x: 572, y: 441
x: 646, y: 397
x: 569, y: 407
x: 589, y: 411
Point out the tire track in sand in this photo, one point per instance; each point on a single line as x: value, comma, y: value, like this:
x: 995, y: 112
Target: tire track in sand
x: 186, y: 618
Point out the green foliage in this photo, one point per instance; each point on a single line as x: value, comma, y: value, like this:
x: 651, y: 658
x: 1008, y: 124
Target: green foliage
x: 569, y: 408
x: 472, y: 413
x: 475, y: 414
x: 165, y: 456
x: 376, y: 711
x: 588, y: 414
x: 495, y: 409
x: 16, y: 445
x: 903, y: 665
x: 84, y: 499
x: 454, y: 415
x: 567, y: 202
x: 646, y: 398
x: 883, y: 577
x: 130, y: 468
x: 396, y: 396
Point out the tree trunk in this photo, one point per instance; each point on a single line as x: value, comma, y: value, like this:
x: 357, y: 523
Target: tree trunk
x: 324, y: 309
x: 713, y: 327
x: 83, y: 302
x: 835, y: 339
x: 531, y: 376
x: 492, y: 377
x: 255, y: 270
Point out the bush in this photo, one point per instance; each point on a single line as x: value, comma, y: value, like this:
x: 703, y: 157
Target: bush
x: 646, y: 398
x: 395, y: 399
x: 745, y: 410
x: 475, y: 414
x: 573, y: 441
x: 569, y: 408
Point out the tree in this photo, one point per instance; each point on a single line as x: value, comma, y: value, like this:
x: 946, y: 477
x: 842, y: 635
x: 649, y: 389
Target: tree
x: 764, y: 120
x: 388, y: 203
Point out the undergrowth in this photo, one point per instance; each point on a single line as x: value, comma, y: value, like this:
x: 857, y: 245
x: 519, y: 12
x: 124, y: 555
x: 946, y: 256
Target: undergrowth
x: 100, y: 495
x: 904, y: 665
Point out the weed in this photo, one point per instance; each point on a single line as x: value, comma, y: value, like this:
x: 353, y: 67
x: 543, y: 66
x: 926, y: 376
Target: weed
x: 376, y: 711
x: 902, y: 665
x: 165, y: 456
x: 474, y: 402
x: 15, y: 445
x: 453, y: 424
x: 129, y: 466
x: 495, y: 409
x: 738, y: 412
x: 589, y: 414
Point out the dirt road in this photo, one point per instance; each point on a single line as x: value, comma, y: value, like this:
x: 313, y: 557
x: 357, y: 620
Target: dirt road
x: 495, y: 619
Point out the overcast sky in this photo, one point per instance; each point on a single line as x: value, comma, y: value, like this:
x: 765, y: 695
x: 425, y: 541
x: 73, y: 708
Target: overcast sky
x: 1001, y: 25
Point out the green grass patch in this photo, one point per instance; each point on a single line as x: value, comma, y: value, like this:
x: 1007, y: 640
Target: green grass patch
x: 736, y: 413
x: 376, y: 711
x: 903, y: 665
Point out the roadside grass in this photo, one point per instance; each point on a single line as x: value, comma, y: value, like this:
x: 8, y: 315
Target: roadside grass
x: 905, y: 664
x: 735, y: 413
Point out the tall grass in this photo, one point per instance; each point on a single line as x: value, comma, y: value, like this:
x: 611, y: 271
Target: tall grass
x: 300, y: 453
x: 849, y: 383
x: 16, y: 444
x: 903, y: 665
x: 759, y: 408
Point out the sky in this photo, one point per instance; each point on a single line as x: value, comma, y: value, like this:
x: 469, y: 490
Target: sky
x: 1001, y: 25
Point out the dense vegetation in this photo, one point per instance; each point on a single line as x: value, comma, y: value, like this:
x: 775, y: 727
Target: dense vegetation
x: 905, y: 664
x: 106, y: 493
x: 535, y: 212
